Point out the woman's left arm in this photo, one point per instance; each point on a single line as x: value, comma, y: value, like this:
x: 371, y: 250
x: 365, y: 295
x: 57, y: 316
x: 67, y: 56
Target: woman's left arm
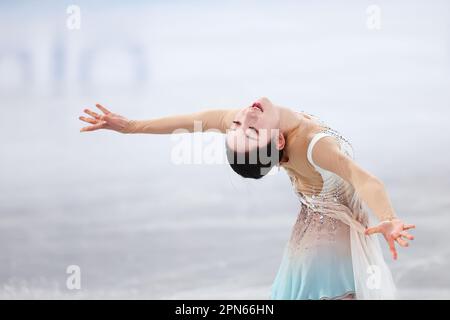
x: 327, y: 154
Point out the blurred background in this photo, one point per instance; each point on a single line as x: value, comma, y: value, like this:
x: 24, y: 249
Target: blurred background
x: 140, y: 225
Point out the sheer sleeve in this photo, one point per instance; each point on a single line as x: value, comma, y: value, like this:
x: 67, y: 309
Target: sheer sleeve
x: 214, y: 119
x: 333, y: 157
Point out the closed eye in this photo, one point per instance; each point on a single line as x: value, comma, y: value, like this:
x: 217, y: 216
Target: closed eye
x: 237, y: 123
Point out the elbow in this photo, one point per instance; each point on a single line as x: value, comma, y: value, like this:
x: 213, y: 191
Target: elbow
x: 376, y: 181
x: 371, y: 183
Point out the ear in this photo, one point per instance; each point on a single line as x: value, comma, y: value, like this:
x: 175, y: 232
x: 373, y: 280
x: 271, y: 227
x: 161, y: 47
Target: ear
x: 281, y: 141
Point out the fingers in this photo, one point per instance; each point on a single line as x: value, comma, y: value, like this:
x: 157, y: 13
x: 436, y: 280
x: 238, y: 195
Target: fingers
x: 372, y: 230
x: 406, y: 235
x: 402, y: 242
x: 408, y: 226
x: 395, y: 234
x: 97, y: 120
x: 88, y: 120
x: 102, y: 108
x: 97, y: 126
x: 391, y: 244
x: 92, y: 114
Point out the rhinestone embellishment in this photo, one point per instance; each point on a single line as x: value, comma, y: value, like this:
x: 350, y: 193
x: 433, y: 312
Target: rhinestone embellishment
x: 313, y: 221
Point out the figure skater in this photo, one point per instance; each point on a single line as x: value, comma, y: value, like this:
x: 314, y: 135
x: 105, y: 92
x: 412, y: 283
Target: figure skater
x: 333, y: 251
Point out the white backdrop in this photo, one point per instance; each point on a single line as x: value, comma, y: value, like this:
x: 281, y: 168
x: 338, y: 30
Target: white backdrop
x: 140, y: 226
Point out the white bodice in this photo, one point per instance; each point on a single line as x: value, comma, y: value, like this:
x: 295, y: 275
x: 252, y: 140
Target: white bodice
x: 334, y: 188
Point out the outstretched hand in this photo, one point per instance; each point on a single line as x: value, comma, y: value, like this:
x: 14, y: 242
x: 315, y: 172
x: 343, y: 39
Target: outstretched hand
x: 393, y: 230
x: 107, y: 120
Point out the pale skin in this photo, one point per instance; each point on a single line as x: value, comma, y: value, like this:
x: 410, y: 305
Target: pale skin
x: 253, y: 126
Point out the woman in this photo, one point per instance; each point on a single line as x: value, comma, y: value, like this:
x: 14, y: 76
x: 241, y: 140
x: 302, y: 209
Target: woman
x: 332, y: 252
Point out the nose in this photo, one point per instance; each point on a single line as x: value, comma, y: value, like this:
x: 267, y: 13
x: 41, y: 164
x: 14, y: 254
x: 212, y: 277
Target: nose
x: 250, y: 115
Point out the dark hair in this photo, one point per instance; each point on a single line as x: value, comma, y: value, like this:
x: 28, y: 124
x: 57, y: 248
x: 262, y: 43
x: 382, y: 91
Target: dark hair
x: 255, y: 163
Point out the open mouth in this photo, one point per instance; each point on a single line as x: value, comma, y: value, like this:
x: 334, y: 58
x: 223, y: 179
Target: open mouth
x: 258, y: 106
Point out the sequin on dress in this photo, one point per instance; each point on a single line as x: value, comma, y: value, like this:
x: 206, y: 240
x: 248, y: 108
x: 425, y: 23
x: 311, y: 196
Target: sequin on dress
x: 327, y: 255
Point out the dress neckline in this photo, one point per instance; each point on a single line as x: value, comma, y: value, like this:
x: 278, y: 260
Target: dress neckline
x: 292, y: 172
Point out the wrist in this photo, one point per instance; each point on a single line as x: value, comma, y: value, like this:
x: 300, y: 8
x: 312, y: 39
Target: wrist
x: 390, y: 218
x: 387, y: 215
x: 128, y: 127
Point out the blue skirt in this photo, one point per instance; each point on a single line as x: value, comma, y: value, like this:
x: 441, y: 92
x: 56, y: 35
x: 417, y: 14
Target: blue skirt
x: 317, y: 262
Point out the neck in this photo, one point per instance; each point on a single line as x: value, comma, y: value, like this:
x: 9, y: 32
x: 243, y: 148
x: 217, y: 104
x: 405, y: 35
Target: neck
x: 289, y: 121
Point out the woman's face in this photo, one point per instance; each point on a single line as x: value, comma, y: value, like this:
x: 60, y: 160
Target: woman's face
x: 254, y: 126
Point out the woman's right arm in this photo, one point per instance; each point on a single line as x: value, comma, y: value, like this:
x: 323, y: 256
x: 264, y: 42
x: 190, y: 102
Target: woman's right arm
x: 218, y: 119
